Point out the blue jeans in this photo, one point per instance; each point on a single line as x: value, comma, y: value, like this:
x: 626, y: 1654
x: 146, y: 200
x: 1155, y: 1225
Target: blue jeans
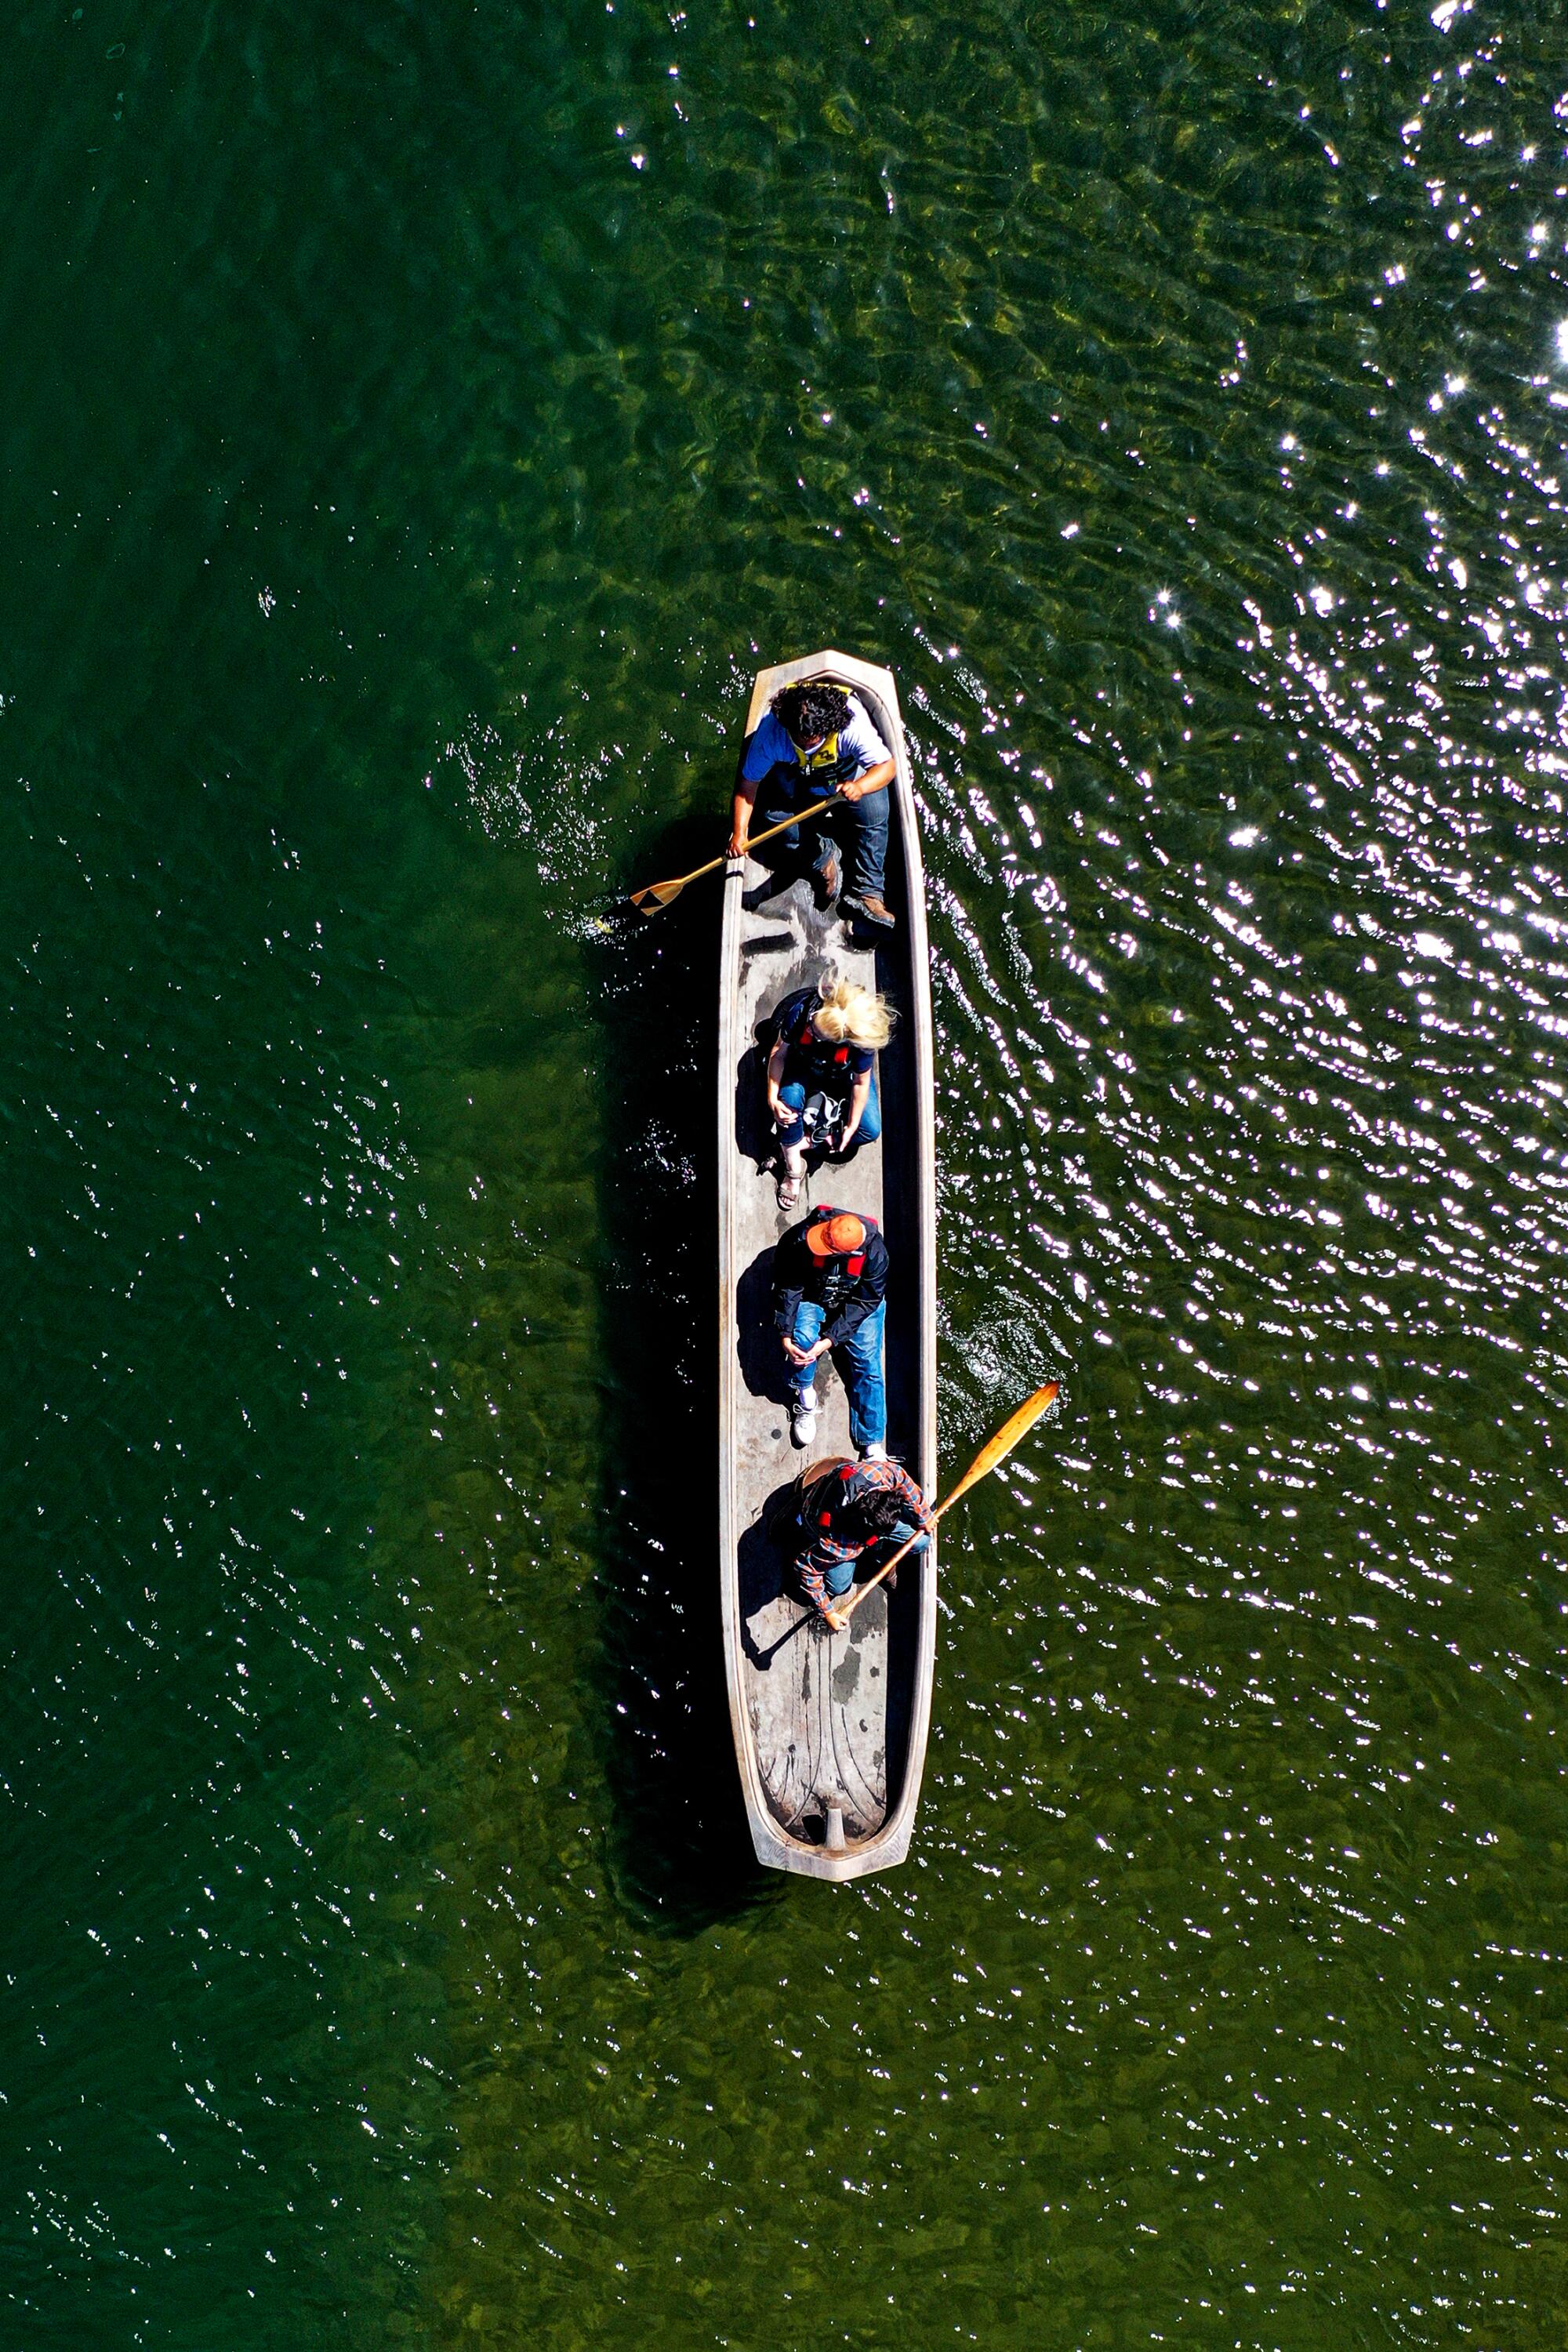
x: 859, y: 1361
x: 860, y: 828
x: 838, y: 1580
x: 793, y: 1098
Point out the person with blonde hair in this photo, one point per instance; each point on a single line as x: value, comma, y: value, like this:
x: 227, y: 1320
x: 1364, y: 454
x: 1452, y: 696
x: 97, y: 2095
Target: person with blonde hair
x: 821, y: 1073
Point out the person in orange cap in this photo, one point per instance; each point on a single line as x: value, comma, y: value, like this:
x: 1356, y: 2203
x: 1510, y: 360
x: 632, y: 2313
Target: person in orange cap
x: 830, y: 1291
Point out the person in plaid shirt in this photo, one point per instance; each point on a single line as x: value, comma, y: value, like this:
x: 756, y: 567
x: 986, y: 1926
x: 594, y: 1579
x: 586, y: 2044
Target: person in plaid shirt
x: 847, y: 1509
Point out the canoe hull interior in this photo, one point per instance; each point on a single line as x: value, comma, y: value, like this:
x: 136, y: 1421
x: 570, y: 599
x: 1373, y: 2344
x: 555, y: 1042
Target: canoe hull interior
x: 830, y: 1728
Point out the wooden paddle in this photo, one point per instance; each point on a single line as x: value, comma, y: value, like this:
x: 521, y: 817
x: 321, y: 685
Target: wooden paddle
x: 985, y: 1462
x: 662, y: 894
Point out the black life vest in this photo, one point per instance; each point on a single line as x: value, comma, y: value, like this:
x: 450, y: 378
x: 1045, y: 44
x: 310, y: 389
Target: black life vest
x: 807, y: 1041
x: 837, y: 1277
x: 850, y: 1470
x: 827, y: 1065
x: 830, y: 1488
x: 884, y: 1507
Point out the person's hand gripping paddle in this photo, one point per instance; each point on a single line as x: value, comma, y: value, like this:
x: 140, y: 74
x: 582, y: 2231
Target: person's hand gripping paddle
x: 648, y: 900
x: 985, y: 1462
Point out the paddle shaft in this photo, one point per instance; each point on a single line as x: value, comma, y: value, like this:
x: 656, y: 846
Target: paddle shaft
x: 804, y: 816
x: 853, y: 1601
x: 985, y: 1462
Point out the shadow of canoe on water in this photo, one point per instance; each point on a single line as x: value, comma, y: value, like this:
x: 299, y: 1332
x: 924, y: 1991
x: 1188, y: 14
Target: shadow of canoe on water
x: 680, y: 1849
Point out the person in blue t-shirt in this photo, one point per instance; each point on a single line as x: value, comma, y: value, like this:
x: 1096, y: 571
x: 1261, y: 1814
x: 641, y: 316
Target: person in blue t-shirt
x: 815, y: 741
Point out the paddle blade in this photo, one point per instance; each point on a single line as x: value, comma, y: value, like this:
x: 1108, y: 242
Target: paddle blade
x: 1006, y: 1437
x: 656, y: 894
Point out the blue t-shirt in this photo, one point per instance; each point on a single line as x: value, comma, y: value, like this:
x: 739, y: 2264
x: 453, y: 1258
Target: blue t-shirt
x: 859, y: 748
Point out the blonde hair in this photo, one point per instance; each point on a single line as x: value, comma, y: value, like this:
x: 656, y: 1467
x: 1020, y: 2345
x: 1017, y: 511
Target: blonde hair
x: 850, y: 1011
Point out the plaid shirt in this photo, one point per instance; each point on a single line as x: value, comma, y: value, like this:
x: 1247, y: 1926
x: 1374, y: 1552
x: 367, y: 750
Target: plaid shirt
x: 837, y: 1501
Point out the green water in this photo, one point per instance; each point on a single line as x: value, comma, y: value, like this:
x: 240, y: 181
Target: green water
x: 418, y: 422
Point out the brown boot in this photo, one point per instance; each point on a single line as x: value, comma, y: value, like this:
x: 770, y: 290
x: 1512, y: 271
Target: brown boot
x: 825, y: 882
x: 870, y: 910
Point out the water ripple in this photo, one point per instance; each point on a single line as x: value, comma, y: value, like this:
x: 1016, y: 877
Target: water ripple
x: 461, y: 408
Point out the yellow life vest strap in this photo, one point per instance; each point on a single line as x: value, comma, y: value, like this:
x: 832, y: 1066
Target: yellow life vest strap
x: 826, y: 753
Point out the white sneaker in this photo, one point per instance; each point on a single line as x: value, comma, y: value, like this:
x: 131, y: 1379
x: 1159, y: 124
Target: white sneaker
x: 873, y: 1453
x: 803, y: 1416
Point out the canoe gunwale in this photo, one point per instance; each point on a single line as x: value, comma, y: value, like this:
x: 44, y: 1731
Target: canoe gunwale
x: 890, y: 1842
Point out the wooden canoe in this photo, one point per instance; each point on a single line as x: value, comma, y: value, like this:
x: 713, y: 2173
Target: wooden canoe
x: 829, y: 1728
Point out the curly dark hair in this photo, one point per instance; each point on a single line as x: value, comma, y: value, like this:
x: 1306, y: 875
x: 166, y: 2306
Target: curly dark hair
x: 807, y: 712
x: 881, y: 1510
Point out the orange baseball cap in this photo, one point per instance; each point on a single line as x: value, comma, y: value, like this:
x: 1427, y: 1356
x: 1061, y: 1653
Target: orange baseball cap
x: 836, y: 1235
